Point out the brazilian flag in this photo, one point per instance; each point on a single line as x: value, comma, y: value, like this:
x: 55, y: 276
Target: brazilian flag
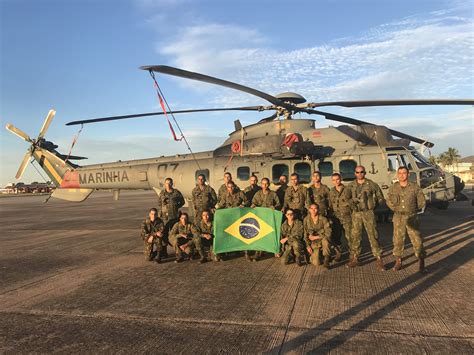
x: 247, y: 229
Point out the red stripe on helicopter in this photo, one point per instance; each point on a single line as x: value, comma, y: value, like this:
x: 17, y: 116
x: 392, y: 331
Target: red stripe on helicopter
x: 317, y: 134
x: 70, y: 180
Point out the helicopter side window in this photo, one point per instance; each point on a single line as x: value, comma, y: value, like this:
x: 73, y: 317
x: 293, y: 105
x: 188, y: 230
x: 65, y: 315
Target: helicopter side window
x: 304, y: 172
x: 346, y: 169
x: 243, y: 173
x: 393, y: 162
x: 204, y: 172
x: 325, y: 168
x: 279, y: 170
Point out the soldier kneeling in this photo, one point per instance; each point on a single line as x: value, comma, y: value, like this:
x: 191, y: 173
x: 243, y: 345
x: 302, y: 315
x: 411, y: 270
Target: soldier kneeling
x: 292, y: 240
x: 152, y: 234
x: 182, y: 237
x: 204, y: 237
x: 317, y: 230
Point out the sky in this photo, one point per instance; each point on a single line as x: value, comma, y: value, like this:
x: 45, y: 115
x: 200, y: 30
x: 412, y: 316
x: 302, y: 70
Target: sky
x: 81, y: 57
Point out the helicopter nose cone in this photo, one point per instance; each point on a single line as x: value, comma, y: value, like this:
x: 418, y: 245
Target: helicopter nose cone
x: 292, y: 97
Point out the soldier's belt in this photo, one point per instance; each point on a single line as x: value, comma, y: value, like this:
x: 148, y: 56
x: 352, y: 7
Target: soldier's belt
x: 405, y: 213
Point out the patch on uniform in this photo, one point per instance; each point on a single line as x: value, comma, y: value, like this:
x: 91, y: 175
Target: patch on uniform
x: 249, y: 228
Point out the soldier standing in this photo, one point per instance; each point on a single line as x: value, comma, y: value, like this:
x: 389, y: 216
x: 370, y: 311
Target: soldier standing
x: 319, y: 194
x: 252, y: 189
x: 283, y: 182
x: 340, y: 213
x: 205, y: 236
x: 203, y: 198
x: 170, y: 201
x: 152, y: 233
x: 223, y: 188
x: 364, y: 196
x: 317, y: 231
x: 405, y: 199
x: 292, y: 238
x: 233, y: 197
x: 182, y: 237
x: 296, y: 197
x: 266, y: 197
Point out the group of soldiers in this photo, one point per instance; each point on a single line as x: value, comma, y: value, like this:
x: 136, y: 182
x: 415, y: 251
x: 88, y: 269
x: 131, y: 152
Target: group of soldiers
x: 315, y: 218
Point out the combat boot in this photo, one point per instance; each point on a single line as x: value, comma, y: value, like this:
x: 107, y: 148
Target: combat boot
x: 421, y: 264
x: 379, y: 264
x: 326, y: 262
x: 247, y: 256
x: 258, y: 254
x: 338, y: 254
x: 158, y: 259
x: 202, y: 260
x: 353, y: 262
x: 398, y: 265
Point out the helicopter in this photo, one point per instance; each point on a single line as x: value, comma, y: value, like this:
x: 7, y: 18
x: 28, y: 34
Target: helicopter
x: 277, y: 145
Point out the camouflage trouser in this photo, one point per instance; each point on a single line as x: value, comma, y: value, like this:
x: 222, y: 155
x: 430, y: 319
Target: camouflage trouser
x: 176, y: 241
x: 338, y: 226
x: 296, y: 246
x: 365, y: 219
x: 201, y: 243
x: 401, y: 225
x: 316, y: 246
x: 148, y: 250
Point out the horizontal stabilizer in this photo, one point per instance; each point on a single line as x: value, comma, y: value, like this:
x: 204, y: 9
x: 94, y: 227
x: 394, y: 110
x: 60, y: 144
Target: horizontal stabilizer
x: 73, y: 195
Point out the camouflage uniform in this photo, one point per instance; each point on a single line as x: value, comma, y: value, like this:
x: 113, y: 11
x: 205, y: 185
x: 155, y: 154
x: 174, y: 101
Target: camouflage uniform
x: 281, y: 193
x: 149, y: 228
x: 297, y: 200
x: 322, y: 228
x: 200, y: 242
x: 234, y: 199
x: 176, y: 240
x: 405, y: 203
x: 169, y: 204
x: 268, y: 199
x: 295, y: 242
x: 363, y: 199
x: 340, y: 213
x: 203, y: 199
x: 250, y: 192
x: 223, y: 189
x: 320, y: 196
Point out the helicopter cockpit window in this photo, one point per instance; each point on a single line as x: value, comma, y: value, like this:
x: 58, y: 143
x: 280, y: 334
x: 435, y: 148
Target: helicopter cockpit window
x: 346, y: 169
x: 243, y: 173
x: 304, y: 172
x: 405, y: 161
x: 393, y: 163
x: 279, y: 170
x: 325, y: 168
x: 204, y: 172
x: 420, y: 160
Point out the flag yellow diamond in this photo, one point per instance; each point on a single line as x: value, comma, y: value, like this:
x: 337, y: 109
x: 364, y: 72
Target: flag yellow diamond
x: 249, y: 228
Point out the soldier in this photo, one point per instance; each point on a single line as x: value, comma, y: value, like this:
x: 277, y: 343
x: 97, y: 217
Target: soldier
x: 266, y: 197
x: 223, y: 188
x: 205, y: 236
x: 340, y: 214
x: 203, y: 197
x: 317, y: 231
x: 152, y: 233
x: 292, y: 238
x: 296, y: 197
x: 252, y: 189
x: 405, y: 199
x: 233, y: 197
x: 283, y: 182
x: 319, y: 194
x: 182, y: 237
x: 364, y: 195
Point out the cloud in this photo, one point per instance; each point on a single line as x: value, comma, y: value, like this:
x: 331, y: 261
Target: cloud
x: 414, y: 57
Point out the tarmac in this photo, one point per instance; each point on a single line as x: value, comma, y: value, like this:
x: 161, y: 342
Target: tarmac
x: 73, y: 279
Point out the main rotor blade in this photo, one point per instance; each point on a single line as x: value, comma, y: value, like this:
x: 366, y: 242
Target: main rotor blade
x: 18, y: 132
x: 46, y: 123
x: 23, y: 164
x: 349, y: 120
x: 113, y: 118
x: 364, y: 103
x: 212, y: 80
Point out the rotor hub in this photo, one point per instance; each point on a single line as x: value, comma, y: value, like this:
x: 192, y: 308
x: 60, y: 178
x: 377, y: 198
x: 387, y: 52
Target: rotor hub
x: 292, y: 97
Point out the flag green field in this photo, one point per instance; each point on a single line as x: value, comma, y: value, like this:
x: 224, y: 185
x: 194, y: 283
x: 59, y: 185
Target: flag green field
x: 247, y: 229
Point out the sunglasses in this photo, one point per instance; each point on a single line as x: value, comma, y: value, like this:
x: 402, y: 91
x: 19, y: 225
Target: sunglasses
x: 360, y: 172
x: 289, y: 214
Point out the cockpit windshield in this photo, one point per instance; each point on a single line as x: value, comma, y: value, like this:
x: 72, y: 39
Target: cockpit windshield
x: 420, y: 160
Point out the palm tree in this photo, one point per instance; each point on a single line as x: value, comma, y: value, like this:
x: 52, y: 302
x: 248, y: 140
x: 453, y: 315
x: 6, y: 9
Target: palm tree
x: 432, y: 159
x: 453, y: 155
